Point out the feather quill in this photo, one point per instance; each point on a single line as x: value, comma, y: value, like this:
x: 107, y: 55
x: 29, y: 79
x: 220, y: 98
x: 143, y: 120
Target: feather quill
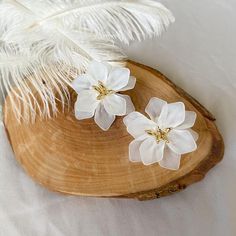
x: 44, y: 44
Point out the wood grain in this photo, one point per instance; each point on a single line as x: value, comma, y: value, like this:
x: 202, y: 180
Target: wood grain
x: 76, y: 157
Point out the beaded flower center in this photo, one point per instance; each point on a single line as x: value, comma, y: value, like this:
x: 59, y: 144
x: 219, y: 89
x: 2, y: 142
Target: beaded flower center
x: 102, y: 90
x: 159, y: 134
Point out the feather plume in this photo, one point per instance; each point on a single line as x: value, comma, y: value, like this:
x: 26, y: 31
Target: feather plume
x: 44, y: 44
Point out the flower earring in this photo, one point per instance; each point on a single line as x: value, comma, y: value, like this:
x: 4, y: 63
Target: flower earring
x: 164, y: 137
x: 98, y: 93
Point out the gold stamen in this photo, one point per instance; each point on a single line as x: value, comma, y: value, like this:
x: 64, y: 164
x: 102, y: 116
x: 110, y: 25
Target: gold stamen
x: 159, y: 134
x: 102, y: 90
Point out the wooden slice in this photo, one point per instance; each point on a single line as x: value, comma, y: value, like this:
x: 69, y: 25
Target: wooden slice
x: 76, y: 157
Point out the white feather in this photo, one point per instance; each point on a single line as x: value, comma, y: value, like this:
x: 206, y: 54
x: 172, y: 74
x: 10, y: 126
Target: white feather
x: 44, y: 44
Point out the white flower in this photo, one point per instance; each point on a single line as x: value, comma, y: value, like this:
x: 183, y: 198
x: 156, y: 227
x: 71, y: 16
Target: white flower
x: 165, y: 137
x: 97, y: 93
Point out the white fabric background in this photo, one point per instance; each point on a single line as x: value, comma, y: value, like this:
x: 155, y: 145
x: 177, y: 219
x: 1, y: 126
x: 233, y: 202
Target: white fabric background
x: 198, y: 53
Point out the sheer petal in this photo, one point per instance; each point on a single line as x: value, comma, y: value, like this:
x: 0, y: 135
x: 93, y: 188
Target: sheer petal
x: 131, y: 117
x: 102, y: 118
x: 171, y: 160
x: 137, y: 123
x: 86, y: 101
x: 174, y: 115
x: 194, y: 134
x: 162, y: 118
x: 99, y: 71
x: 80, y: 115
x: 190, y: 118
x: 130, y: 85
x: 181, y: 141
x: 118, y: 78
x: 134, y: 153
x: 154, y: 107
x: 82, y: 82
x: 115, y: 105
x: 151, y: 151
x: 129, y: 104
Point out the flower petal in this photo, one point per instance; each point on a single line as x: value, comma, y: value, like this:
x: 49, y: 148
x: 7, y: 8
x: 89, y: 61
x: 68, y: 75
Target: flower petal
x: 134, y: 154
x: 194, y: 134
x: 80, y: 115
x: 103, y: 119
x: 190, y: 118
x: 118, y: 78
x: 181, y: 141
x: 128, y: 120
x: 154, y: 107
x: 115, y: 105
x: 137, y: 123
x: 172, y: 115
x: 171, y: 160
x: 151, y: 151
x: 130, y: 85
x: 82, y: 82
x: 86, y: 101
x: 129, y: 104
x: 99, y: 71
x: 162, y: 118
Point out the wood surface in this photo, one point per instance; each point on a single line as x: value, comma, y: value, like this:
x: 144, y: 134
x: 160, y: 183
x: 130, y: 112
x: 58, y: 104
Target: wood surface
x: 76, y: 157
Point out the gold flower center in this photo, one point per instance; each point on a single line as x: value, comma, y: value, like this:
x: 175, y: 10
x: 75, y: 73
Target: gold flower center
x: 102, y: 90
x: 159, y: 134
